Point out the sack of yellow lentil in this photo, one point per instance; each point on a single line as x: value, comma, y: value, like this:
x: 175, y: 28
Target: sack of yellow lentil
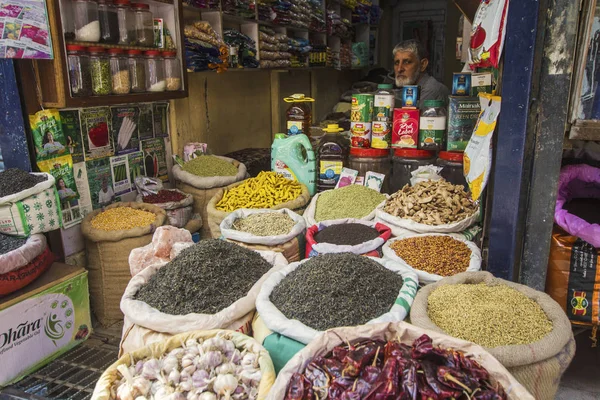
x: 203, y: 188
x: 110, y: 235
x: 281, y: 231
x: 434, y: 256
x: 266, y: 191
x: 523, y: 328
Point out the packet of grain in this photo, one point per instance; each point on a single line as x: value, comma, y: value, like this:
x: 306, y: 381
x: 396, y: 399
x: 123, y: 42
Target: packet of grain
x: 478, y: 154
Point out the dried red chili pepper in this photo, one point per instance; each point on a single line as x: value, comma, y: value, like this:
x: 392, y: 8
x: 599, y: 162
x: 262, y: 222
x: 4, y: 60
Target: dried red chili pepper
x: 386, y: 387
x: 319, y: 378
x: 164, y: 196
x: 333, y: 367
x: 356, y: 359
x: 422, y: 347
x: 396, y: 349
x: 409, y: 381
x: 299, y: 388
x: 456, y: 379
x: 442, y: 390
x: 339, y: 353
x: 488, y: 395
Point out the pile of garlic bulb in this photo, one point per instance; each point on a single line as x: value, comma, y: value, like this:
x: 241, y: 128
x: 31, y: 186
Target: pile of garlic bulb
x: 211, y: 369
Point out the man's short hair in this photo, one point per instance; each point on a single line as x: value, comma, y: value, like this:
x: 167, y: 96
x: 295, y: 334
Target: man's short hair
x: 412, y: 45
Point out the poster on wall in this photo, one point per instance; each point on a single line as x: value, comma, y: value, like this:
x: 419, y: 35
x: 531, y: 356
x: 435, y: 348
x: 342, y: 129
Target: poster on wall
x: 24, y: 31
x: 124, y: 129
x: 48, y: 137
x: 71, y: 127
x: 136, y: 166
x: 83, y: 188
x: 100, y: 182
x: 155, y: 158
x: 95, y: 131
x: 119, y: 167
x: 146, y: 118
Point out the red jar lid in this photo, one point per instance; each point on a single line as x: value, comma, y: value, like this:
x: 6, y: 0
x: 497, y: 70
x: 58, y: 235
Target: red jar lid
x: 455, y: 156
x: 96, y: 49
x: 414, y: 153
x: 169, y: 53
x: 140, y: 6
x: 134, y: 52
x: 75, y: 47
x: 115, y: 51
x: 122, y: 2
x: 361, y: 152
x: 152, y: 53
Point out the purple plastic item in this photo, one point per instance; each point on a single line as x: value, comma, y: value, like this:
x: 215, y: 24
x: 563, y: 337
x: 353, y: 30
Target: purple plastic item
x: 578, y: 181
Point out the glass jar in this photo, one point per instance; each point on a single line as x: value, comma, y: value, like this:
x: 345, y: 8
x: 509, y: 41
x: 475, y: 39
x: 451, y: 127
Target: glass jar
x: 432, y: 125
x: 375, y: 160
x: 172, y: 71
x: 109, y: 23
x: 144, y: 24
x: 119, y: 71
x: 406, y: 161
x: 100, y: 71
x: 137, y: 71
x: 79, y: 71
x: 126, y: 20
x: 155, y: 72
x: 85, y: 21
x: 452, y: 167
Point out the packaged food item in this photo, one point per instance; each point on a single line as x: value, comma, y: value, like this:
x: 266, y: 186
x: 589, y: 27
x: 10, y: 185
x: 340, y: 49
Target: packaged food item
x: 362, y: 108
x: 432, y: 126
x: 298, y: 115
x: 405, y: 131
x: 375, y: 160
x: 347, y: 177
x: 374, y: 180
x: 481, y: 83
x: 463, y: 113
x: 410, y: 96
x: 487, y: 34
x: 461, y: 84
x: 361, y: 134
x: 381, y: 134
x: 405, y: 161
x: 384, y: 103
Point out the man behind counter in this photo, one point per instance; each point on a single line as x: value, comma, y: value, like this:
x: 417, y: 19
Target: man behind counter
x: 410, y: 66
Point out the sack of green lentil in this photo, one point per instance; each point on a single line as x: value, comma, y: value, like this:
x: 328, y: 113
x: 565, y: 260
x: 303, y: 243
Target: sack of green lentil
x: 29, y: 203
x: 434, y: 256
x: 354, y: 201
x: 347, y: 236
x: 176, y: 203
x: 268, y: 190
x: 203, y: 177
x: 16, y: 252
x: 211, y: 285
x: 406, y: 334
x: 110, y: 235
x: 524, y: 329
x: 281, y: 231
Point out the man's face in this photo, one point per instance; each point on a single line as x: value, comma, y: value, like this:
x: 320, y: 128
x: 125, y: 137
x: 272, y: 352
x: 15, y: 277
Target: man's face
x: 408, y: 68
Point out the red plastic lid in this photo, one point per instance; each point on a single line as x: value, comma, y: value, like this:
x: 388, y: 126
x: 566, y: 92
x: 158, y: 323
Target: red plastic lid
x: 134, y: 52
x: 141, y: 6
x: 74, y: 47
x: 452, y: 156
x: 361, y: 152
x: 152, y: 53
x: 122, y: 2
x: 115, y: 51
x: 169, y: 53
x: 96, y: 49
x: 414, y: 153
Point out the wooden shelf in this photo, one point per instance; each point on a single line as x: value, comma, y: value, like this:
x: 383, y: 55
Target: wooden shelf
x: 115, y: 46
x: 187, y: 7
x: 146, y: 97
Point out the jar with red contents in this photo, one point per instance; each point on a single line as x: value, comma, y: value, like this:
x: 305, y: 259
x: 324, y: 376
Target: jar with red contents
x: 452, y: 167
x: 375, y: 160
x: 406, y: 161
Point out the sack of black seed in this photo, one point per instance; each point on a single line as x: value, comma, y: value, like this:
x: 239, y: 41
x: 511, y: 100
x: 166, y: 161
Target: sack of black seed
x: 210, y: 285
x: 281, y: 231
x: 16, y: 252
x: 347, y: 236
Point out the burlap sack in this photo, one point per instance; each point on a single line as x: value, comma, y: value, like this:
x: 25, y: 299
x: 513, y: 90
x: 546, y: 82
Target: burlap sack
x: 108, y: 260
x: 215, y: 217
x: 406, y: 333
x: 537, y: 366
x: 102, y: 389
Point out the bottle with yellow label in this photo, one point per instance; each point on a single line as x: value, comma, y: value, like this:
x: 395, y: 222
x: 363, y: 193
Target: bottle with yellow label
x: 298, y: 115
x: 332, y: 156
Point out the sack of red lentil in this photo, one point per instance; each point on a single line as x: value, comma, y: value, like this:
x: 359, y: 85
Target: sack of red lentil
x: 281, y: 231
x: 434, y: 256
x: 499, y: 311
x: 107, y: 248
x: 203, y: 188
x: 145, y: 324
x: 19, y: 251
x: 347, y: 236
x: 176, y: 203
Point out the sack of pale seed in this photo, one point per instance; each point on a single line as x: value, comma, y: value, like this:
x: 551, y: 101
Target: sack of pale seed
x: 500, y: 311
x: 281, y: 231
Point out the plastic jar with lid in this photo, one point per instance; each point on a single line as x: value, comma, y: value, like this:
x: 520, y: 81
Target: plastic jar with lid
x: 137, y: 71
x: 406, y: 161
x: 155, y: 72
x: 172, y: 71
x: 85, y: 21
x: 100, y: 71
x: 452, y: 167
x: 119, y: 71
x: 80, y: 78
x: 109, y: 22
x: 126, y: 20
x: 144, y: 24
x: 432, y: 125
x: 375, y: 160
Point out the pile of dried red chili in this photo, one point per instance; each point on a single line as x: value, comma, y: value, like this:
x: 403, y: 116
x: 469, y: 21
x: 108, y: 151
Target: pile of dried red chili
x: 164, y: 196
x: 375, y: 370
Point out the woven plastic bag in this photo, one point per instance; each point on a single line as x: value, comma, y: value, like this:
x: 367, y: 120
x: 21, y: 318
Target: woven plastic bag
x: 311, y: 210
x: 13, y: 260
x: 369, y: 248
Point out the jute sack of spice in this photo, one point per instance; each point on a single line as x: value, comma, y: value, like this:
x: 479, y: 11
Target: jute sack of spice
x: 145, y: 324
x: 368, y: 247
x: 204, y: 188
x: 538, y: 366
x: 405, y: 333
x: 108, y: 258
x: 290, y: 244
x: 430, y: 260
x: 102, y: 390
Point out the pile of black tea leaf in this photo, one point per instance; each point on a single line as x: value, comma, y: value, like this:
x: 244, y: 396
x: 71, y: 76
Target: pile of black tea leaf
x: 346, y: 234
x: 10, y: 243
x: 334, y: 290
x: 204, y: 278
x: 14, y: 180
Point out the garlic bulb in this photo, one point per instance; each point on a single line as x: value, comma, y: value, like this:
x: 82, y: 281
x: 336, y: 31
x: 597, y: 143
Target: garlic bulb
x: 214, y: 343
x: 174, y: 377
x: 250, y: 359
x: 235, y: 357
x: 227, y: 368
x: 250, y: 376
x: 210, y: 360
x: 207, y: 396
x: 151, y: 369
x: 163, y: 392
x: 225, y: 385
x: 201, y: 379
x: 169, y: 364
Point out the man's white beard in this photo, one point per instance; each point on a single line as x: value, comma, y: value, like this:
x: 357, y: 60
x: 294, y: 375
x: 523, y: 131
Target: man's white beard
x: 400, y: 82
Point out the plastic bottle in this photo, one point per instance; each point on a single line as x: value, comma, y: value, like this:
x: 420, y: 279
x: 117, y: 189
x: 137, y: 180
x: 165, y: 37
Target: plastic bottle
x: 298, y: 115
x: 332, y: 156
x: 293, y: 156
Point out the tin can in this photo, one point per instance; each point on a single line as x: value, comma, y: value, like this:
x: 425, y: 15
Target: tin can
x: 410, y: 96
x: 405, y: 131
x: 382, y: 135
x: 361, y: 134
x: 362, y: 108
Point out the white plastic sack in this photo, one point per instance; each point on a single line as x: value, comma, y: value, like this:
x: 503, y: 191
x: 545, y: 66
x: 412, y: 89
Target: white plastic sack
x: 13, y: 260
x: 209, y: 182
x: 229, y: 233
x: 412, y: 226
x: 146, y: 186
x: 309, y: 213
x: 426, y: 278
x: 279, y: 323
x: 363, y: 248
x: 40, y: 187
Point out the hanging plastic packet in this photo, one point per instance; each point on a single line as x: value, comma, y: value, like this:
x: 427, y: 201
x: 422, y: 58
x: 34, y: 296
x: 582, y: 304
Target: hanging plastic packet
x: 487, y: 34
x: 190, y: 150
x: 426, y: 173
x: 146, y: 186
x: 478, y: 154
x: 347, y: 178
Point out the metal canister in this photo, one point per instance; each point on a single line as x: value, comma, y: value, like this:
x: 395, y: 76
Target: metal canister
x: 410, y: 96
x: 382, y: 135
x: 362, y: 108
x: 361, y: 134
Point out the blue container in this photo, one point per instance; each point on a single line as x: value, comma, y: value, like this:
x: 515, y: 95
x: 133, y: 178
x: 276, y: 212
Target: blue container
x: 461, y: 84
x: 410, y: 96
